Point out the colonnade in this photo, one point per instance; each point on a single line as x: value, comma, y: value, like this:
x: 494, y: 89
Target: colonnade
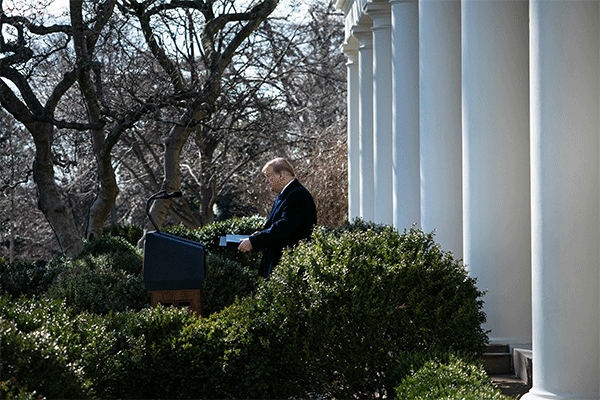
x: 480, y: 119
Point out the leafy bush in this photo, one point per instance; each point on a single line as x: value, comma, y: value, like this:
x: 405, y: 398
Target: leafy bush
x: 451, y: 380
x: 99, y: 285
x: 145, y: 355
x: 226, y: 280
x: 36, y: 344
x: 210, y: 236
x: 123, y: 255
x: 349, y: 314
x: 339, y: 311
x: 357, y: 225
x: 28, y: 278
x: 105, y: 276
x: 131, y: 233
x: 47, y: 348
x: 11, y: 390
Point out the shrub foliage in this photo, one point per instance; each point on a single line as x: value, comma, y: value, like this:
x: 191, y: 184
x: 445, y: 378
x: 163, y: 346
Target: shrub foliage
x: 451, y: 380
x: 343, y: 315
x: 28, y: 278
x: 357, y: 302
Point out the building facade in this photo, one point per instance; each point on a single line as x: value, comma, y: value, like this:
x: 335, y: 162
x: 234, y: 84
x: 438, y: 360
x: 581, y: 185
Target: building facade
x: 480, y: 119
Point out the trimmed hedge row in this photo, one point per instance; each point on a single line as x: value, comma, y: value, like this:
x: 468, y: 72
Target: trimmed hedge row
x: 106, y: 275
x: 166, y: 353
x: 341, y: 310
x: 349, y: 314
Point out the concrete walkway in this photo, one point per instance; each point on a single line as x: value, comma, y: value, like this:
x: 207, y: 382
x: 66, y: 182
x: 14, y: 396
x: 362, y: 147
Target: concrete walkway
x: 510, y: 385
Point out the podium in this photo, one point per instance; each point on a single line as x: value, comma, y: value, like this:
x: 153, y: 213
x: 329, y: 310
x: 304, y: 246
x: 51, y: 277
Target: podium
x: 174, y: 269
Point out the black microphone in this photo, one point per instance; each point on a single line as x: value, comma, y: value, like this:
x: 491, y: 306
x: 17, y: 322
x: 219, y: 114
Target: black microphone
x: 160, y: 195
x: 167, y: 195
x: 172, y: 195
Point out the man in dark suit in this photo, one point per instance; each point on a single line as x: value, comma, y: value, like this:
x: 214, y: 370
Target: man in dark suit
x: 291, y: 219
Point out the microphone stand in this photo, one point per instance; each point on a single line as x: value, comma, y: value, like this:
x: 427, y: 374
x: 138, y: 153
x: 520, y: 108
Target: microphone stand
x: 160, y: 195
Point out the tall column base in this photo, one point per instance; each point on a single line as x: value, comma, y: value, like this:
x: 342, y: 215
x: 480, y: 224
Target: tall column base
x: 542, y: 395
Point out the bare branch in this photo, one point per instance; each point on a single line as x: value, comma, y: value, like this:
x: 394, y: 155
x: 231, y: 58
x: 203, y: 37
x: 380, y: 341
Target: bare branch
x: 18, y: 21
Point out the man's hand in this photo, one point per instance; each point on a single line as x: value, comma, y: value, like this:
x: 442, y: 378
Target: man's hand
x: 245, y: 246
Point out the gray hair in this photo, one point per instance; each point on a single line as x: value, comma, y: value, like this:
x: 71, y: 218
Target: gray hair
x: 279, y: 165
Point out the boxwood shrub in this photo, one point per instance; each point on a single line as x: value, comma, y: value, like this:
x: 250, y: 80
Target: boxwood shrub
x: 454, y: 379
x: 226, y: 281
x: 95, y: 284
x: 28, y: 278
x: 210, y: 236
x: 131, y: 233
x: 120, y: 254
x: 105, y: 276
x: 37, y: 341
x: 11, y: 390
x: 340, y: 312
x: 141, y: 355
x: 349, y: 314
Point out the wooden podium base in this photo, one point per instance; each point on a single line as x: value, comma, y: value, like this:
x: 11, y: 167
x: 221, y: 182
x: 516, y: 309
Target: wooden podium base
x: 190, y: 299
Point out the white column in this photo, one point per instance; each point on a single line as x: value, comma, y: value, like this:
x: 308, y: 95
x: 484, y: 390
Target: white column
x: 365, y: 65
x: 565, y: 207
x: 350, y: 49
x: 440, y: 122
x: 496, y: 182
x: 405, y: 124
x: 380, y: 12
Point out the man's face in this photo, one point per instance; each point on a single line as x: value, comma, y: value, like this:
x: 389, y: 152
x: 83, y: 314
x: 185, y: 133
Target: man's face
x: 274, y: 181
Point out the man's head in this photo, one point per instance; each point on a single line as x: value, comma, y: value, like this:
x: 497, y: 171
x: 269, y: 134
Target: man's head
x: 278, y: 173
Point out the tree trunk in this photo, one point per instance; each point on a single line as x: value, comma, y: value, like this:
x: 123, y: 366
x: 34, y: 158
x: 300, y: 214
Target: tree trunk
x: 84, y: 49
x: 100, y: 209
x: 172, y: 180
x: 11, y: 245
x: 49, y: 200
x: 208, y: 187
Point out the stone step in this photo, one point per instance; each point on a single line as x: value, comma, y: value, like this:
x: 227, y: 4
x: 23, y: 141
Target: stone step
x: 497, y: 360
x: 523, y: 364
x: 498, y: 348
x: 497, y: 363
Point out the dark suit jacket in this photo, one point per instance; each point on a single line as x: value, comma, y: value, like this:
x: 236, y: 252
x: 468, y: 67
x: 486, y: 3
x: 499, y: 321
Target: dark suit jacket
x: 291, y: 220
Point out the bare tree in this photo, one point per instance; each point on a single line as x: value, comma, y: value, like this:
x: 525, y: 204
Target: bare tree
x: 15, y: 173
x: 283, y: 94
x: 194, y: 44
x: 312, y: 83
x: 29, y: 48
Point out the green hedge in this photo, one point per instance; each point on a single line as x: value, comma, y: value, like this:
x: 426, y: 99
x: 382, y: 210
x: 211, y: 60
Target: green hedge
x: 226, y: 281
x: 349, y: 314
x: 454, y: 379
x: 107, y: 274
x: 95, y: 284
x: 339, y: 311
x: 28, y: 278
x: 210, y: 236
x: 131, y: 233
x: 37, y: 341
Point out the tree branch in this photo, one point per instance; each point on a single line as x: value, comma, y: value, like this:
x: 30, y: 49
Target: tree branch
x: 23, y: 87
x: 158, y: 52
x: 33, y: 28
